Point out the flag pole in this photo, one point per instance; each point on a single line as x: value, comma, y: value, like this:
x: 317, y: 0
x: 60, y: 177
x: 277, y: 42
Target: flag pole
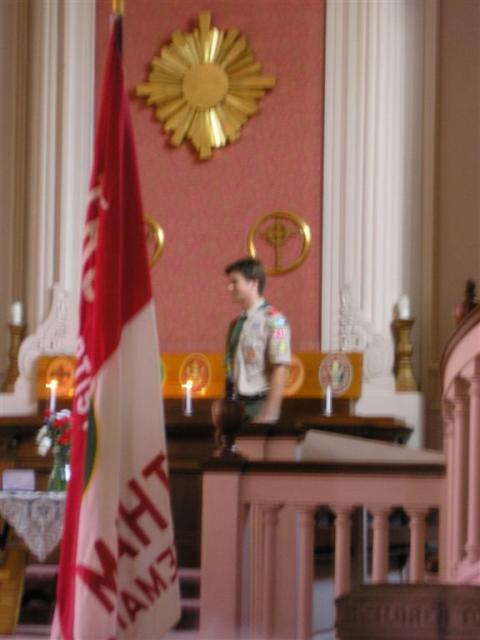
x: 118, y: 7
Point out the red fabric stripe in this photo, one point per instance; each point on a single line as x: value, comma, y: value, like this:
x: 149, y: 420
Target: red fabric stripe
x: 116, y: 273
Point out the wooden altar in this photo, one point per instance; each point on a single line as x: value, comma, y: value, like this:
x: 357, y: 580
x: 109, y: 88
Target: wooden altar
x: 190, y: 444
x: 190, y: 439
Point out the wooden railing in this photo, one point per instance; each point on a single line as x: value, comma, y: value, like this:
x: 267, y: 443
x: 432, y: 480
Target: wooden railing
x: 461, y: 419
x: 258, y: 536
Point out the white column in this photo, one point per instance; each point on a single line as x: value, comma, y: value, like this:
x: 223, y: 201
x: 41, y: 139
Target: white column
x: 60, y: 102
x: 42, y: 149
x: 76, y: 148
x: 372, y: 183
x: 61, y: 132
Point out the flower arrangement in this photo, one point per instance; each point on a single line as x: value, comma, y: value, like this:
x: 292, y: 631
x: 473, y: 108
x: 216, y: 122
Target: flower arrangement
x: 55, y: 434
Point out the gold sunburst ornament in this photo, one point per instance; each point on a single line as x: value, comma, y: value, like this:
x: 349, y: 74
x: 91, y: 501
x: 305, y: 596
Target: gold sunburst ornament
x: 205, y: 85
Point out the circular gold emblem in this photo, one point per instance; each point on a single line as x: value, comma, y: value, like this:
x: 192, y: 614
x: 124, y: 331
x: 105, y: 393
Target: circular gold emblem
x: 196, y: 368
x: 281, y: 239
x: 62, y: 369
x: 296, y: 376
x: 335, y: 371
x: 205, y: 85
x: 155, y: 239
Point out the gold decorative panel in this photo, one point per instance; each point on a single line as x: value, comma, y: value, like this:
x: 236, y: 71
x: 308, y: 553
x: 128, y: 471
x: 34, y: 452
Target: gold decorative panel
x: 205, y: 85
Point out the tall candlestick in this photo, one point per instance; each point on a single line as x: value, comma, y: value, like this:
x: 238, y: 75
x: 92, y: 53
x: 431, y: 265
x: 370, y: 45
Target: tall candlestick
x: 17, y: 332
x: 53, y: 395
x: 405, y: 380
x: 16, y: 313
x: 328, y: 400
x: 187, y: 395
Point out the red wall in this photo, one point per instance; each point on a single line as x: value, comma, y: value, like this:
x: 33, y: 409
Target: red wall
x: 206, y: 208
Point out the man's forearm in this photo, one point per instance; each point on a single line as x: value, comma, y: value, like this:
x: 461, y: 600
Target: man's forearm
x: 271, y: 408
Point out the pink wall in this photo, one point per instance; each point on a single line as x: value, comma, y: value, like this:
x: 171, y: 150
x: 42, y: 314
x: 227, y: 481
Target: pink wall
x: 206, y: 208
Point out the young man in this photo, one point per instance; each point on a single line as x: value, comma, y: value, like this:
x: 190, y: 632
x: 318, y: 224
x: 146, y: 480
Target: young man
x: 258, y: 344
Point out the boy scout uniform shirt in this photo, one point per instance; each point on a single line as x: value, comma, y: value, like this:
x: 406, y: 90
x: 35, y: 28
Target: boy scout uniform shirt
x: 264, y: 341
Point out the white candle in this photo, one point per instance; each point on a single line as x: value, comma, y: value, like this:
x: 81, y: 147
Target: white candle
x: 187, y: 388
x: 328, y: 401
x: 16, y: 313
x: 403, y: 308
x: 53, y: 395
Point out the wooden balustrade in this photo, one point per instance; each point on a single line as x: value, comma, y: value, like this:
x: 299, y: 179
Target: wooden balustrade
x: 461, y: 419
x: 268, y: 491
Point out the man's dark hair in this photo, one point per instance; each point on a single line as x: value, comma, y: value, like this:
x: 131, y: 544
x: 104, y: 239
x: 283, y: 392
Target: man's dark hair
x: 250, y: 269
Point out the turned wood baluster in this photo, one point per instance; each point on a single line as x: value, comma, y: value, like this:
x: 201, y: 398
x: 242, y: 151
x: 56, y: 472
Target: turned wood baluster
x: 270, y: 516
x: 306, y: 517
x: 380, y: 543
x: 342, y: 549
x: 417, y: 543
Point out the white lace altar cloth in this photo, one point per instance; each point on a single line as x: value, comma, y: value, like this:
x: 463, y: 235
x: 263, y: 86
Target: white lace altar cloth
x: 36, y: 516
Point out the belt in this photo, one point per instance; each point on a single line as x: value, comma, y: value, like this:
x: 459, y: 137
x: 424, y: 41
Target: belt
x: 254, y: 398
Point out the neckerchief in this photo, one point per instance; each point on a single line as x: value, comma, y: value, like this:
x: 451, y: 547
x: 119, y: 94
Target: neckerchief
x: 233, y: 340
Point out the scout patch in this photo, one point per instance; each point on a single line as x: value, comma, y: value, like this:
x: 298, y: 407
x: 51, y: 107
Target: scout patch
x: 277, y: 321
x: 281, y: 347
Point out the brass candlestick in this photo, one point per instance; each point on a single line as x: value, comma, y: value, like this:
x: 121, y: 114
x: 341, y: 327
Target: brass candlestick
x: 405, y: 380
x: 17, y: 333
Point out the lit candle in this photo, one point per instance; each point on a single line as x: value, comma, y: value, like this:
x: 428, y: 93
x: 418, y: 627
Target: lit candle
x: 187, y: 387
x: 53, y: 395
x: 328, y: 400
x: 403, y: 308
x: 16, y: 313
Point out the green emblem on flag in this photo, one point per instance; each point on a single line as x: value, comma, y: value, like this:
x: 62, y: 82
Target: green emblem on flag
x: 91, y: 445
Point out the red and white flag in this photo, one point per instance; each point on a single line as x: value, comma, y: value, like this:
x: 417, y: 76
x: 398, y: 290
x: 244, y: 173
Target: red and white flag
x: 118, y: 573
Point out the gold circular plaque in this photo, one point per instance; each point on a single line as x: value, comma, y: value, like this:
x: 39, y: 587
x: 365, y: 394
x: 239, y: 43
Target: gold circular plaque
x: 204, y: 85
x: 155, y: 239
x: 276, y: 231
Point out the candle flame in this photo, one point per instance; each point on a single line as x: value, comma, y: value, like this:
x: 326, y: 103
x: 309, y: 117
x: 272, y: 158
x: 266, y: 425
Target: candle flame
x: 187, y: 385
x: 53, y: 384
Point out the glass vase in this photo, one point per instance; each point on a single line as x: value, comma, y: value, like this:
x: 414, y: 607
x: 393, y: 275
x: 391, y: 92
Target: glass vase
x: 57, y: 481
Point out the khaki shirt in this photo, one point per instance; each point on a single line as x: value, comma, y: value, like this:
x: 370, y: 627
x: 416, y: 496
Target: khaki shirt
x: 264, y: 341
